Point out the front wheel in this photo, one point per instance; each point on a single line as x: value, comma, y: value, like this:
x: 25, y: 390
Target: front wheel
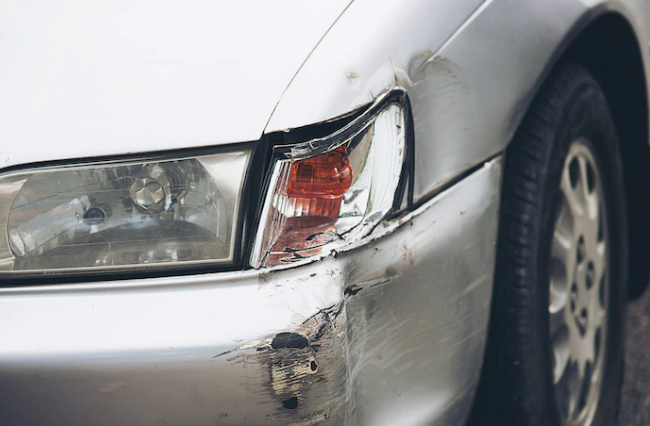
x: 555, y: 348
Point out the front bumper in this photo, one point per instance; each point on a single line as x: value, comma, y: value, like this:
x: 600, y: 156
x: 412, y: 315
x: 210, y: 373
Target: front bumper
x: 390, y: 332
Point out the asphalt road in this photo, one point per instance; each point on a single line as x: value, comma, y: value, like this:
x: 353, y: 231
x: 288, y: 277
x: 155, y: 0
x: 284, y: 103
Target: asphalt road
x: 635, y: 395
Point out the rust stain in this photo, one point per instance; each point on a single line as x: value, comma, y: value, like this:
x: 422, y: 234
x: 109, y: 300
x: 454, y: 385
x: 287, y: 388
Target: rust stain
x: 407, y: 255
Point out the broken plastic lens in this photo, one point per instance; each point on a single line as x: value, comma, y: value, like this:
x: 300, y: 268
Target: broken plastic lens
x: 135, y: 214
x: 330, y: 192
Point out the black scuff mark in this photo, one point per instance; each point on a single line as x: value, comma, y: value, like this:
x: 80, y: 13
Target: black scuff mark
x: 328, y: 314
x: 352, y: 290
x: 296, y: 258
x: 289, y: 340
x: 223, y: 353
x: 291, y: 403
x: 321, y: 331
x: 306, y: 368
x: 355, y: 289
x: 290, y: 250
x: 312, y: 236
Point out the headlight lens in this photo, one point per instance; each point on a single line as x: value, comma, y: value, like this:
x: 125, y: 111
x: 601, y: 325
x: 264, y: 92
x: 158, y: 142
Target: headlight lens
x: 332, y: 191
x: 131, y: 214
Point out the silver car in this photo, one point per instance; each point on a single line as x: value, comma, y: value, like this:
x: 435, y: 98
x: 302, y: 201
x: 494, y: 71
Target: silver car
x: 368, y: 212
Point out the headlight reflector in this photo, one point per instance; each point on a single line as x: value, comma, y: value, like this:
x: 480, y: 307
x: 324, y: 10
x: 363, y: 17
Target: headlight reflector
x: 127, y: 214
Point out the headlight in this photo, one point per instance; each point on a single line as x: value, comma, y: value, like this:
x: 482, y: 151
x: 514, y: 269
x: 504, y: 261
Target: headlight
x: 160, y: 212
x: 136, y: 214
x: 333, y: 191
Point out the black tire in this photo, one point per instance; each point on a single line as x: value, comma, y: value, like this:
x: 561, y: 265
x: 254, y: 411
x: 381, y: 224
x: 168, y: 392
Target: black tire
x: 517, y: 384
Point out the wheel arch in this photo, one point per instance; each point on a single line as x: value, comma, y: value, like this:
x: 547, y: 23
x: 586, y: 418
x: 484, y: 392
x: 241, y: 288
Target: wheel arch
x: 605, y: 42
x: 609, y: 48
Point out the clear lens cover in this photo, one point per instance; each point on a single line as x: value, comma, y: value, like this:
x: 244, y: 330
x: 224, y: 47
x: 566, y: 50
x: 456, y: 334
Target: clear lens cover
x: 132, y: 214
x: 333, y: 191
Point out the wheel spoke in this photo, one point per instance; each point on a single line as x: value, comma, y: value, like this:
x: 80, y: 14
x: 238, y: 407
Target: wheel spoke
x: 583, y: 351
x: 599, y: 259
x: 598, y: 291
x: 584, y: 179
x: 598, y: 348
x: 593, y: 210
x: 560, y: 268
x: 573, y: 389
x: 558, y: 321
x: 585, y: 384
x: 561, y: 246
x: 559, y: 289
x: 561, y: 352
x: 599, y: 317
x: 563, y: 234
x: 570, y: 195
x: 580, y: 271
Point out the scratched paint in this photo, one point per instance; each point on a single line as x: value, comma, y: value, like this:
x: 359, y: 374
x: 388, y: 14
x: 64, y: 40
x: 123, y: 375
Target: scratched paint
x: 410, y: 315
x: 307, y: 373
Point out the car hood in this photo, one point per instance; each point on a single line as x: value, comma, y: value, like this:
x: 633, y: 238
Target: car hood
x: 81, y: 79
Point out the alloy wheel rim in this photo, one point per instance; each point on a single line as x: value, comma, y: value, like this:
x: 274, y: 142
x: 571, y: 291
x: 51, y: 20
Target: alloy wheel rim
x: 579, y: 287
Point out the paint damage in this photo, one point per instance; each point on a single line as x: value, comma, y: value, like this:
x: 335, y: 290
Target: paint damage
x: 444, y: 109
x: 305, y: 375
x: 330, y: 366
x: 308, y: 367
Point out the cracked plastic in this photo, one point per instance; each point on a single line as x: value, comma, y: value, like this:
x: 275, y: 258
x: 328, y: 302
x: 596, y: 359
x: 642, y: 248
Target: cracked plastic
x: 295, y: 227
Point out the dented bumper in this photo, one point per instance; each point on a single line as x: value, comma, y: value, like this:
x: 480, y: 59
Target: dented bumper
x: 389, y: 332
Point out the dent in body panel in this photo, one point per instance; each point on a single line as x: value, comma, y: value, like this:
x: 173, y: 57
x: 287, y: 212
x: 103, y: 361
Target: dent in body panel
x: 417, y: 333
x: 394, y: 33
x: 472, y: 66
x: 393, y: 51
x: 447, y: 112
x: 443, y: 110
x: 404, y: 340
x: 306, y: 380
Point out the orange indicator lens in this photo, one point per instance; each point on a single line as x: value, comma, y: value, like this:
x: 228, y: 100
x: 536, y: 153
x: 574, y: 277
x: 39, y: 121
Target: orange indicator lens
x: 327, y: 176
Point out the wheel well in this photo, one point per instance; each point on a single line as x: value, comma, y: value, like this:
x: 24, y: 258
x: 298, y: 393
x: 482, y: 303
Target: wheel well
x: 609, y: 48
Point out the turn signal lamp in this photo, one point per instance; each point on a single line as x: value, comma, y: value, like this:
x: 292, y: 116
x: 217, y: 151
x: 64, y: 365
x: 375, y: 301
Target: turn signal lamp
x: 332, y: 191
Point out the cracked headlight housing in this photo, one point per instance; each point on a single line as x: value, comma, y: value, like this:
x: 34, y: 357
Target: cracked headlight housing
x: 332, y: 191
x: 140, y: 214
